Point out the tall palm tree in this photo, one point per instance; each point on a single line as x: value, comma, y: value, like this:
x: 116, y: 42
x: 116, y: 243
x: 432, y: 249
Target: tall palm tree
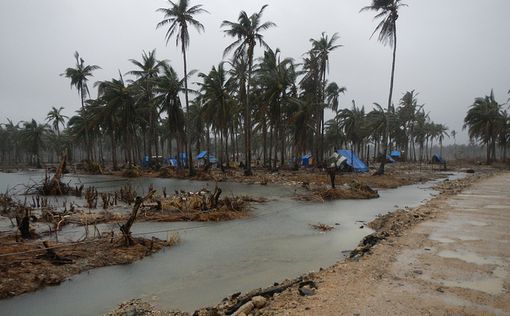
x: 117, y: 95
x: 217, y: 103
x: 387, y: 11
x: 79, y: 77
x: 177, y: 18
x: 482, y: 120
x: 248, y: 31
x: 322, y: 49
x: 147, y: 72
x: 168, y: 88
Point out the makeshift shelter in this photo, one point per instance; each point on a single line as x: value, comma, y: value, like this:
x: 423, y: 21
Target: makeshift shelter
x: 395, y: 154
x: 438, y: 159
x: 172, y: 162
x: 202, y: 155
x: 353, y: 161
x: 306, y: 160
x: 389, y: 159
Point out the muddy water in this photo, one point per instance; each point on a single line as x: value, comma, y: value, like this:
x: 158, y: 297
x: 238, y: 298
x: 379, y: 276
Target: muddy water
x: 216, y: 259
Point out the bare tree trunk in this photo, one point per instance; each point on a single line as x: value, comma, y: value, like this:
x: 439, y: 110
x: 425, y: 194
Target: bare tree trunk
x: 126, y: 228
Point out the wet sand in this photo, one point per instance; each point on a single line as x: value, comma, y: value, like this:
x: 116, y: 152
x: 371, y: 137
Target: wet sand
x: 457, y: 262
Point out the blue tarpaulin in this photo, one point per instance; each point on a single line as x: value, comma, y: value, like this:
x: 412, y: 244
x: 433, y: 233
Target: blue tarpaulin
x: 389, y: 159
x: 172, y: 162
x: 353, y: 161
x: 437, y: 159
x: 202, y: 155
x: 395, y: 154
x: 305, y: 160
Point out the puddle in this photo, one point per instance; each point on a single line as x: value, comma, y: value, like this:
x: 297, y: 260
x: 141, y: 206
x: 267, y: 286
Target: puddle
x: 469, y: 257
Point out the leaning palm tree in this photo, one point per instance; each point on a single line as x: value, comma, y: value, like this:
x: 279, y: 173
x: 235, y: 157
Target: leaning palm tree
x: 79, y: 77
x: 387, y: 11
x: 177, y: 18
x: 247, y: 30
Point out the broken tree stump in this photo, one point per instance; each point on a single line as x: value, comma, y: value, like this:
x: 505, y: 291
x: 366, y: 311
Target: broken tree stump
x: 126, y: 228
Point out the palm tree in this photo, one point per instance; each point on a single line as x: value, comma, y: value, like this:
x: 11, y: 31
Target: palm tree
x: 387, y: 11
x: 168, y: 88
x: 247, y: 30
x: 322, y: 48
x: 147, y: 71
x: 332, y: 93
x: 177, y: 17
x: 56, y: 118
x: 442, y: 131
x: 117, y: 95
x: 33, y: 136
x: 217, y: 103
x: 482, y: 120
x: 79, y: 77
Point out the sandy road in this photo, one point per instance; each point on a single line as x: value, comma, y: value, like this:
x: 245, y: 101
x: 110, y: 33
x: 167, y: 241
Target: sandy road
x: 457, y: 263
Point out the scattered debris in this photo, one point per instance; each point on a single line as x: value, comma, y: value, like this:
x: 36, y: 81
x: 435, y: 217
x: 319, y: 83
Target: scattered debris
x: 322, y: 227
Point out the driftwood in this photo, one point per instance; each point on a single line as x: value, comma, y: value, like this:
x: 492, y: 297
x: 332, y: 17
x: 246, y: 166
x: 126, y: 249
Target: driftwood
x: 267, y: 292
x: 126, y: 228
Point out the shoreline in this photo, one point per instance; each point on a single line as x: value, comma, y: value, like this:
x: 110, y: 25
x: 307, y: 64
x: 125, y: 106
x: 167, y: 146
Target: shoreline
x: 385, y: 232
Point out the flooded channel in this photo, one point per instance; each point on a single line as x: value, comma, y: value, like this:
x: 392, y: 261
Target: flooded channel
x: 214, y: 260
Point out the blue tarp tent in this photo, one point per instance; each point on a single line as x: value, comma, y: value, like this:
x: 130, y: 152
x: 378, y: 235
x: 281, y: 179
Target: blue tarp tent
x: 305, y: 160
x: 353, y: 161
x: 395, y: 154
x: 389, y: 159
x: 172, y: 162
x: 437, y: 159
x: 202, y: 155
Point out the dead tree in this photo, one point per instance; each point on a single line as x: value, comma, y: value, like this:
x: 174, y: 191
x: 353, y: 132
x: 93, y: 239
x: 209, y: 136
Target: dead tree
x: 126, y: 228
x: 24, y: 225
x: 55, y: 183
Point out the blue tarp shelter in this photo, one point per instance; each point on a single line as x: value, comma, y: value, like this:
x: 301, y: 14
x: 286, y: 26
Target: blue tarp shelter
x: 438, y: 159
x: 395, y: 154
x: 172, y: 162
x: 306, y: 159
x: 353, y: 161
x: 389, y: 159
x: 202, y: 155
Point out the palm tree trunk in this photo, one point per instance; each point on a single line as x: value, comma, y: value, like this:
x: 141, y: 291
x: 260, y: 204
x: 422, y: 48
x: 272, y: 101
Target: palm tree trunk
x: 385, y: 142
x: 248, y: 171
x: 188, y: 130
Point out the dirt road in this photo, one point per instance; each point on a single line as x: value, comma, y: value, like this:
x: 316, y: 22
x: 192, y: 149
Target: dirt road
x: 457, y: 263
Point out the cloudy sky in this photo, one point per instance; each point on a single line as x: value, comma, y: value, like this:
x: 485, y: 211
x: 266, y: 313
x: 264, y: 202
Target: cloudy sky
x: 449, y: 51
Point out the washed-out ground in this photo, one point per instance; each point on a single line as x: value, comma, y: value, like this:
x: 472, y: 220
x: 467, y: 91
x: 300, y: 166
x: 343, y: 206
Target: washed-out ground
x: 457, y: 263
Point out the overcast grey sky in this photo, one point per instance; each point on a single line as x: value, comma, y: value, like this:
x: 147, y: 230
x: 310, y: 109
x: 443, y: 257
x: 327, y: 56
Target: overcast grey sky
x: 450, y: 51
